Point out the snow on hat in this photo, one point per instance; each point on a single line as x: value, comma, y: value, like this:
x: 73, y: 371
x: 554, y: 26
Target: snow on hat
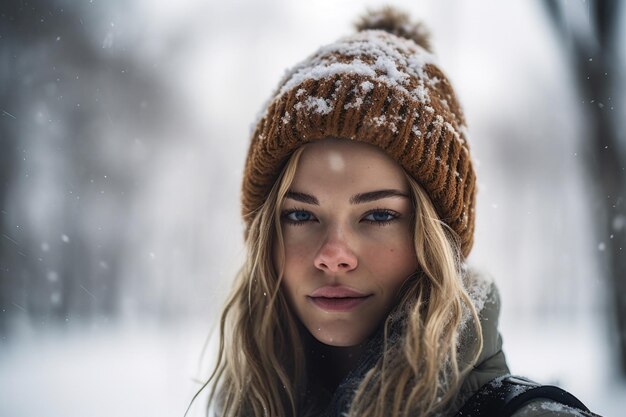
x: 381, y: 86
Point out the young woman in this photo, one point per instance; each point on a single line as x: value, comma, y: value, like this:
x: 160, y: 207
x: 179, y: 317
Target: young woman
x: 358, y: 201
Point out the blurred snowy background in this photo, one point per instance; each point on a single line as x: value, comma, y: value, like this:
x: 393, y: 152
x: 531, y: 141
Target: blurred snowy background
x: 123, y: 131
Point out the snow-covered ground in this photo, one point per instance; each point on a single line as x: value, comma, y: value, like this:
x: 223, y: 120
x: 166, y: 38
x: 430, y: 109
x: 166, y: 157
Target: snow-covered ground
x: 146, y: 369
x: 137, y: 370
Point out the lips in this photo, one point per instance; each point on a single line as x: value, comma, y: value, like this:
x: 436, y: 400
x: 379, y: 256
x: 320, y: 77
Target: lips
x: 337, y: 298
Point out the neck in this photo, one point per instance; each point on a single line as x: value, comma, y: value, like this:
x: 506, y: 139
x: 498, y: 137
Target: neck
x: 331, y: 364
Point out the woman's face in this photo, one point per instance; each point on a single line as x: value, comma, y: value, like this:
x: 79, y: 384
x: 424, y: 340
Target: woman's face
x: 347, y: 230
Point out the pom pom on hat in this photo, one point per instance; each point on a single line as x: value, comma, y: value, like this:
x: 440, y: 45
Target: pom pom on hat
x: 397, y: 22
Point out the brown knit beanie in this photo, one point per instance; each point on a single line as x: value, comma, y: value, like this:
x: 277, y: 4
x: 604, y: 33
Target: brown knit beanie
x: 381, y: 86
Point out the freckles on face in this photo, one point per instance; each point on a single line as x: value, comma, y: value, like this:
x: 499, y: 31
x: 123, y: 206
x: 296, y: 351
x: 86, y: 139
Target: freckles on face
x: 392, y: 258
x: 348, y: 240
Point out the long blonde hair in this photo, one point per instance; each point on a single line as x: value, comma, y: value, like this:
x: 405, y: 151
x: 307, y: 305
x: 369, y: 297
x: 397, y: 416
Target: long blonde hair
x: 261, y: 361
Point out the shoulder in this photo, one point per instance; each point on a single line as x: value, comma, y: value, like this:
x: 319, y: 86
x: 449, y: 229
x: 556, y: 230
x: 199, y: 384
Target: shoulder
x: 521, y: 397
x: 547, y: 408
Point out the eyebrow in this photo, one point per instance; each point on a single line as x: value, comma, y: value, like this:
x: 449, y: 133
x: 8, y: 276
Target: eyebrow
x: 355, y: 199
x: 302, y: 197
x: 376, y: 195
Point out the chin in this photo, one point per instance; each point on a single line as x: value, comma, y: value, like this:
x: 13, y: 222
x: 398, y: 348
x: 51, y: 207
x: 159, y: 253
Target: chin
x: 338, y: 343
x: 339, y: 339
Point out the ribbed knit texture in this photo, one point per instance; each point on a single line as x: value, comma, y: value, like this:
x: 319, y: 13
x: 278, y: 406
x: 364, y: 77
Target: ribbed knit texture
x: 378, y: 88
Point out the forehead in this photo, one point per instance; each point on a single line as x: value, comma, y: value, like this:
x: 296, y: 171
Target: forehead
x: 340, y: 163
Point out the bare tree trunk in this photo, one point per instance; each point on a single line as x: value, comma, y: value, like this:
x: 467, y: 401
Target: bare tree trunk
x: 595, y: 62
x: 8, y: 156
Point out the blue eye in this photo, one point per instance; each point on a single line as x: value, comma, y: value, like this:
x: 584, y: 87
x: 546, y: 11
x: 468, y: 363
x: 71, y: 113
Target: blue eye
x: 381, y: 217
x: 298, y: 216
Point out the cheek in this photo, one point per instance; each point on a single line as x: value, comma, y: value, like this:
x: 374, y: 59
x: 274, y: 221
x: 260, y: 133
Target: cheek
x: 392, y: 258
x: 295, y: 249
x: 297, y: 253
x: 298, y: 260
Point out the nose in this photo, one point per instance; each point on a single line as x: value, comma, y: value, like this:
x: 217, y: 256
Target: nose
x: 335, y: 255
